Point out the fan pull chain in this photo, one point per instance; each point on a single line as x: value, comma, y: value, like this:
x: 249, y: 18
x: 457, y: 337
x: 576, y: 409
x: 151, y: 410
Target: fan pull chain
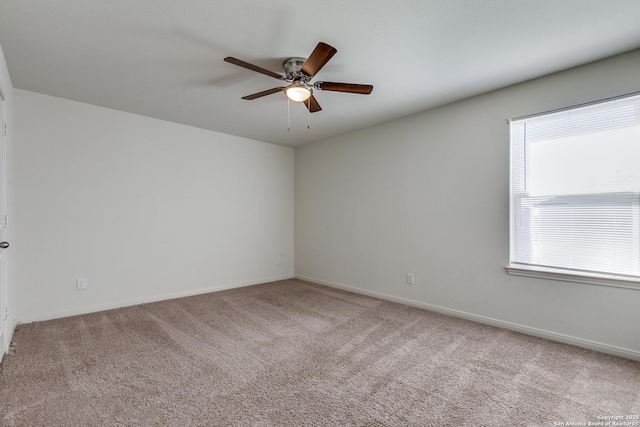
x: 309, y: 115
x: 288, y: 115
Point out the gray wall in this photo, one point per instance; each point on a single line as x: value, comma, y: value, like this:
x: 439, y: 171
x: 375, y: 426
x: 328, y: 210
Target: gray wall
x: 144, y: 209
x: 428, y: 194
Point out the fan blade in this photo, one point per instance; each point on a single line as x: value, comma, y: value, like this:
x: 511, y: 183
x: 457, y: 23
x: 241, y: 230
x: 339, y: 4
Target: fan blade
x: 345, y: 87
x: 264, y: 93
x: 319, y: 57
x: 312, y: 105
x: 240, y: 63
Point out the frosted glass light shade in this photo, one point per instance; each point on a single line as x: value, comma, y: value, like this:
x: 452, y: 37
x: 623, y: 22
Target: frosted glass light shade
x: 297, y: 93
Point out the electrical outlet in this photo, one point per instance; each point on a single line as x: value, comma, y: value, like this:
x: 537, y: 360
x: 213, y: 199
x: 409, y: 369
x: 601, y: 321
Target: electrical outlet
x: 410, y: 278
x: 279, y: 260
x: 81, y: 283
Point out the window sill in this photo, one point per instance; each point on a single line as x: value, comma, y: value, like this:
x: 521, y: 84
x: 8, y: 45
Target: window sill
x: 588, y: 278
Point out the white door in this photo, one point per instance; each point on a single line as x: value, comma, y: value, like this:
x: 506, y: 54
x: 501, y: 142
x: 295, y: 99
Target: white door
x: 4, y: 323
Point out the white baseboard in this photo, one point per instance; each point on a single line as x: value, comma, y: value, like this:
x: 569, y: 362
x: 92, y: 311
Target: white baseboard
x: 3, y: 347
x: 567, y: 339
x: 8, y: 336
x: 143, y: 300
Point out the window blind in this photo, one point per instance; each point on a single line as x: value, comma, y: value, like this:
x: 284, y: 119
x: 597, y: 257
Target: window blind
x: 575, y: 189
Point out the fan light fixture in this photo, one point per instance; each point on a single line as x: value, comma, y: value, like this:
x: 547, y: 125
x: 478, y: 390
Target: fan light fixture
x: 297, y: 93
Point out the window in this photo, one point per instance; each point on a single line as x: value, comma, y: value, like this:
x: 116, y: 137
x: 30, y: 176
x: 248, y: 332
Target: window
x: 575, y: 192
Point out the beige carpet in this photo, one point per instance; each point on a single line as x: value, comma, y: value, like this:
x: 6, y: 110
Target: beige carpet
x: 291, y: 353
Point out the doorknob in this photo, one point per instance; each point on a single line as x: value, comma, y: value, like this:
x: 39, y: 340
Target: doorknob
x: 4, y: 245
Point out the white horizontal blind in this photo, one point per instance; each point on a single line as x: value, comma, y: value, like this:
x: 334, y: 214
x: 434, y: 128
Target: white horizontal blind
x: 575, y: 189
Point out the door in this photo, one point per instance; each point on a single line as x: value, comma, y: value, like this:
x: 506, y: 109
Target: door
x: 4, y: 322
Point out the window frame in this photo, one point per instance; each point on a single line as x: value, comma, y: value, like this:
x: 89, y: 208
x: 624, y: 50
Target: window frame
x: 550, y: 273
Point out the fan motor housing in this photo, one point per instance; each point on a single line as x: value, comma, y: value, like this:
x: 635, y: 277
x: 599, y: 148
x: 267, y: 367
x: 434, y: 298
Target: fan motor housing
x: 293, y: 65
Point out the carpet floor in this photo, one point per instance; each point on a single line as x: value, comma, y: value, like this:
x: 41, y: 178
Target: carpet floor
x: 292, y: 353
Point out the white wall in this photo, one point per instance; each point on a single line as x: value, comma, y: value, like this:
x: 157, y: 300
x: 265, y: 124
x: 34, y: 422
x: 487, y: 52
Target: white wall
x: 143, y: 209
x: 428, y: 194
x: 7, y: 90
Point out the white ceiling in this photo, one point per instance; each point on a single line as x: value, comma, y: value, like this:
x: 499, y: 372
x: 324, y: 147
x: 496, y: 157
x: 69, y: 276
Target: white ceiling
x: 164, y: 58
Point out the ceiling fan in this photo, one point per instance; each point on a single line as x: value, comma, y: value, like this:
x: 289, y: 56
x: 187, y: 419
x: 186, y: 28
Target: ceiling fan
x: 299, y: 72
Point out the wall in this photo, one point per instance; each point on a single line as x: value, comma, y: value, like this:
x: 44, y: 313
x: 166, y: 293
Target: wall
x: 428, y: 194
x: 142, y: 208
x: 6, y: 258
